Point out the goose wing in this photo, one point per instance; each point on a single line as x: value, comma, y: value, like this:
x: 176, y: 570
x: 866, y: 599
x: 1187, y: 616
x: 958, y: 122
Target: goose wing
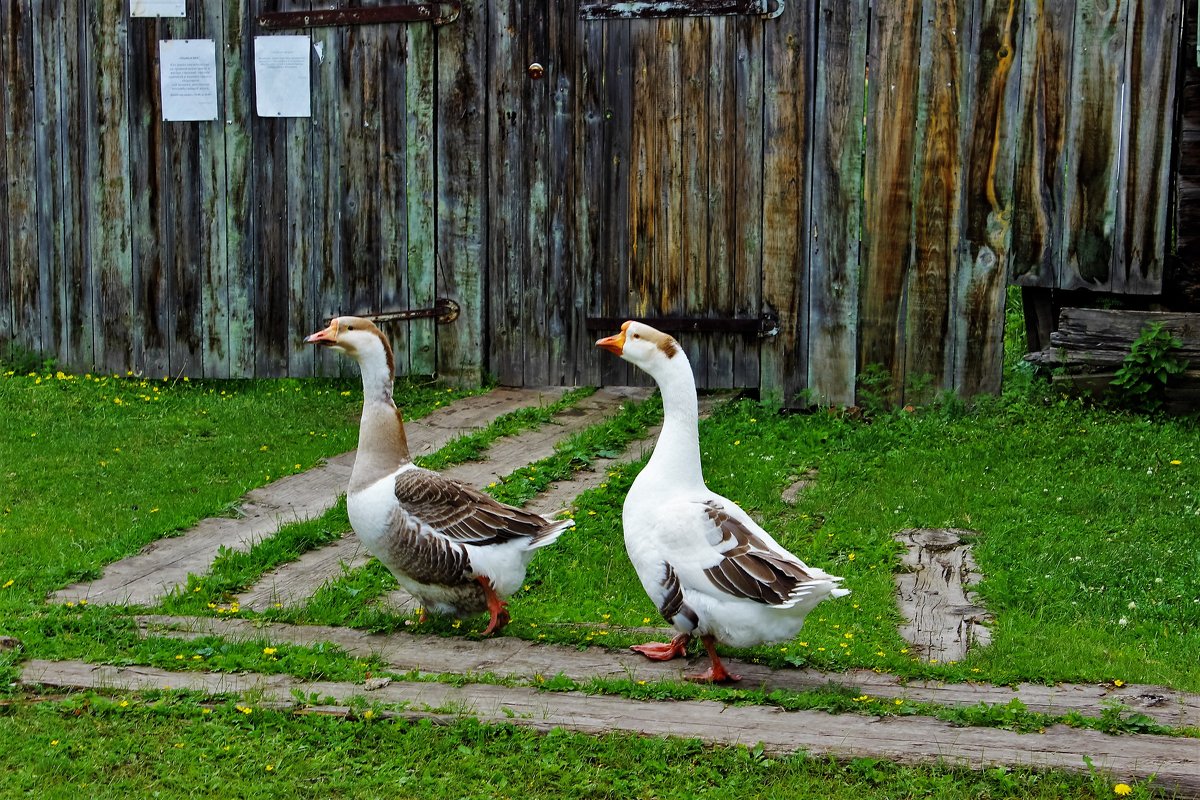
x: 463, y: 514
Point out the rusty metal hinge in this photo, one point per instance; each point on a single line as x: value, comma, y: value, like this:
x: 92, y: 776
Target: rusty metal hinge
x: 659, y: 9
x: 766, y: 325
x: 434, y: 13
x: 444, y: 311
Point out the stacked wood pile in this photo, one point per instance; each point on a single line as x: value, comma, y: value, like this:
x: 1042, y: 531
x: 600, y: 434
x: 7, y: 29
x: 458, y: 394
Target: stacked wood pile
x: 1091, y: 344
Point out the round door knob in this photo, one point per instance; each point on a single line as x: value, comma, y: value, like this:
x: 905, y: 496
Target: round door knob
x: 535, y: 70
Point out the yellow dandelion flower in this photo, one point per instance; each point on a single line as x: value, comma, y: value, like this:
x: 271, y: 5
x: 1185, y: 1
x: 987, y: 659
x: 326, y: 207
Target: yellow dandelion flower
x: 848, y: 635
x: 898, y: 701
x: 1118, y: 683
x: 270, y: 767
x: 1176, y: 462
x: 456, y: 624
x: 1122, y: 789
x: 368, y: 714
x: 54, y: 742
x: 83, y: 602
x: 862, y: 698
x: 645, y: 620
x: 7, y: 584
x: 179, y: 658
x: 123, y: 704
x: 268, y: 651
x: 245, y: 709
x: 850, y: 557
x: 804, y: 644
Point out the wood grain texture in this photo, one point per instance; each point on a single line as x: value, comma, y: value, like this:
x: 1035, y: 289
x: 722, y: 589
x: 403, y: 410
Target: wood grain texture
x: 420, y: 193
x: 837, y: 202
x: 787, y: 139
x: 944, y: 623
x: 6, y: 91
x: 937, y: 198
x: 461, y: 152
x: 1093, y: 142
x: 48, y: 89
x: 977, y: 292
x: 747, y: 61
x: 27, y: 326
x: 1039, y: 181
x: 1142, y: 226
x: 893, y: 65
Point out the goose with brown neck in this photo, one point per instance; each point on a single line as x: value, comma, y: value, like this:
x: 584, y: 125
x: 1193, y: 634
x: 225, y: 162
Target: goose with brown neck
x: 455, y: 549
x: 709, y: 568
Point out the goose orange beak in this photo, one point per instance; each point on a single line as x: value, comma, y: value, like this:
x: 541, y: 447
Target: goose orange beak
x: 326, y: 337
x: 614, y: 344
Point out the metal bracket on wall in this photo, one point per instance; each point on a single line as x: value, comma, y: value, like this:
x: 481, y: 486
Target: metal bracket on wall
x: 659, y: 9
x: 766, y: 325
x: 444, y: 311
x: 433, y: 13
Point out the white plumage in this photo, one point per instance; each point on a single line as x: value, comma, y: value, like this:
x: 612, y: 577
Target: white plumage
x: 709, y: 568
x: 455, y: 549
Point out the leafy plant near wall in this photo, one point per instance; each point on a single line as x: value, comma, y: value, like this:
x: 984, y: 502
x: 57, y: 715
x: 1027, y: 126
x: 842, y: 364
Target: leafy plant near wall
x: 1142, y: 379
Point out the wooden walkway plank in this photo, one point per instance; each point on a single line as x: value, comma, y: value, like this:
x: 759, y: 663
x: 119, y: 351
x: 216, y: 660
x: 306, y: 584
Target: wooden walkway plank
x: 1170, y: 763
x: 144, y: 578
x: 296, y: 581
x: 508, y: 657
x: 934, y: 594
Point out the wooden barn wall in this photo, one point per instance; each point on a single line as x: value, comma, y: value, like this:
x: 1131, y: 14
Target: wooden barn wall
x: 871, y: 174
x: 212, y: 248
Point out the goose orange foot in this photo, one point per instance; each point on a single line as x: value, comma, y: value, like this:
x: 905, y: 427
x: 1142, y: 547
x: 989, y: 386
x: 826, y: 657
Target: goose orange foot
x: 717, y: 672
x: 497, y: 608
x: 664, y: 651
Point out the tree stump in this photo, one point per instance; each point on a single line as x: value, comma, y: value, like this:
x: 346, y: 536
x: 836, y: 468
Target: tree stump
x: 944, y: 623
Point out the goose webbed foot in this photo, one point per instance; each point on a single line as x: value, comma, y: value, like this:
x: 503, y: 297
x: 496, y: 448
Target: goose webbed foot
x: 497, y: 608
x: 717, y: 672
x: 664, y: 651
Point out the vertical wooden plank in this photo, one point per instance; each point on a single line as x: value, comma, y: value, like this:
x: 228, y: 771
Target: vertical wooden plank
x: 20, y: 134
x: 108, y: 208
x: 300, y: 224
x: 696, y: 76
x: 150, y: 209
x: 392, y: 71
x: 328, y: 281
x: 937, y: 192
x: 214, y: 222
x: 1148, y: 113
x: 47, y: 86
x: 566, y: 282
x: 1039, y: 179
x: 837, y: 202
x: 242, y: 219
x: 785, y: 215
x: 508, y: 191
x: 724, y: 134
x: 422, y: 195
x: 747, y: 276
x: 357, y: 149
x: 270, y: 187
x: 602, y: 149
x: 533, y: 44
x: 78, y: 279
x: 1093, y: 143
x: 461, y: 221
x: 7, y: 323
x: 1186, y: 276
x: 893, y: 65
x: 991, y: 146
x: 644, y: 154
x: 185, y: 262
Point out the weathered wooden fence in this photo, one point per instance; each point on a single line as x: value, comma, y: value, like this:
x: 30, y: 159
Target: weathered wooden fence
x: 862, y: 179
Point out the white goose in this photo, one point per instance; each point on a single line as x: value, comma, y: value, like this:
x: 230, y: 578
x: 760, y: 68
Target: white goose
x: 454, y: 548
x: 708, y: 567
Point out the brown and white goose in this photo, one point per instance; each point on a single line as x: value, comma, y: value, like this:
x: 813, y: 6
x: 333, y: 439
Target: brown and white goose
x: 708, y: 567
x: 454, y: 548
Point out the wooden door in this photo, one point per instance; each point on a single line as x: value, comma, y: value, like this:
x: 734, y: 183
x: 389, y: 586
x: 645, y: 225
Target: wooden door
x: 626, y: 181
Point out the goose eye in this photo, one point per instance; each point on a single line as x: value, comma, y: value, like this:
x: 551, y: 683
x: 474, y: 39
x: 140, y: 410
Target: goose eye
x: 637, y: 336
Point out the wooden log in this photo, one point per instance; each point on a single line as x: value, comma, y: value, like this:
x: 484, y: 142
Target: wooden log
x: 1164, y: 761
x: 944, y: 622
x: 1102, y: 338
x: 507, y: 657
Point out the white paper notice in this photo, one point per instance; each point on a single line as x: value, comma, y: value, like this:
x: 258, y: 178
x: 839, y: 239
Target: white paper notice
x: 281, y: 76
x: 157, y: 8
x: 188, y: 79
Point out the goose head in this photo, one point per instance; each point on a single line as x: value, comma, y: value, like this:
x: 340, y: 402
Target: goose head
x: 358, y: 338
x: 645, y: 347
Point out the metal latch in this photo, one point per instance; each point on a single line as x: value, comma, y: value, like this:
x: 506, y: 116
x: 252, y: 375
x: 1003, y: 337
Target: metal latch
x: 766, y: 325
x: 434, y: 13
x: 444, y: 311
x: 658, y: 9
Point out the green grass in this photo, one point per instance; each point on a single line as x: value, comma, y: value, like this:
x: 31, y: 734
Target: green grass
x: 170, y: 745
x: 1083, y: 525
